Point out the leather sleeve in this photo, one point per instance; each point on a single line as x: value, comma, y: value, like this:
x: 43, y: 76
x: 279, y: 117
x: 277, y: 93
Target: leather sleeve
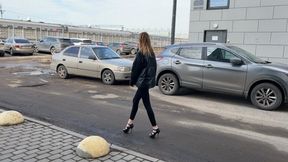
x: 137, y: 68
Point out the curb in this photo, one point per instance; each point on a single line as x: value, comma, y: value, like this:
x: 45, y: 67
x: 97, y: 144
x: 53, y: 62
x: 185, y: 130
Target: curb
x: 112, y: 146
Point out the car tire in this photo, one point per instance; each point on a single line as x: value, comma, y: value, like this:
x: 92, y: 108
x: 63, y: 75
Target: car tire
x: 108, y: 77
x: 118, y: 52
x: 11, y: 52
x: 36, y: 50
x: 62, y: 72
x: 133, y: 51
x: 168, y: 84
x: 266, y: 96
x: 2, y: 54
x: 52, y: 50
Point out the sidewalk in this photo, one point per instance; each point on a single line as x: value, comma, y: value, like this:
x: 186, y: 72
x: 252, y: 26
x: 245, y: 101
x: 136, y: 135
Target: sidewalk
x: 42, y: 142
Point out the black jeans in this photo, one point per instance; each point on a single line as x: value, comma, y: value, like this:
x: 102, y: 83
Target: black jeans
x: 144, y: 94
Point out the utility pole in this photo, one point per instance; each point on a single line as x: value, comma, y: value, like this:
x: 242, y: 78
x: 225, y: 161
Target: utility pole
x: 1, y: 11
x: 173, y: 22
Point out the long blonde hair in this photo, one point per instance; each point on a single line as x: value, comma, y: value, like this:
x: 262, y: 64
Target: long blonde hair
x: 145, y: 44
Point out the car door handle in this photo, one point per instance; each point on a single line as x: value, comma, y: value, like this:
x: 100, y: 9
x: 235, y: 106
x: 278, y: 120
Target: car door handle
x: 209, y: 66
x: 63, y: 59
x: 177, y: 62
x: 80, y: 61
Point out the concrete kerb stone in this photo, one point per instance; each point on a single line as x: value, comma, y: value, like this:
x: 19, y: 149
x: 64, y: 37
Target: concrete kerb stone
x: 112, y: 146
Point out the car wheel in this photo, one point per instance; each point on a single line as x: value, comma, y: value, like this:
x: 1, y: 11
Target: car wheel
x: 133, y: 51
x: 2, y: 54
x: 108, y: 77
x: 36, y: 50
x: 266, y: 96
x: 118, y: 52
x: 52, y: 50
x: 11, y: 52
x: 62, y: 72
x: 168, y: 84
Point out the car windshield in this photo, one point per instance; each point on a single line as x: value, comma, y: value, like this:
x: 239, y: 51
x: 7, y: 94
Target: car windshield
x: 105, y: 53
x: 75, y: 40
x: 248, y: 55
x: 21, y: 41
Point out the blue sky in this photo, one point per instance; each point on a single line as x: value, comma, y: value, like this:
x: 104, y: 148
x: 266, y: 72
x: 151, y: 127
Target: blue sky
x: 140, y: 14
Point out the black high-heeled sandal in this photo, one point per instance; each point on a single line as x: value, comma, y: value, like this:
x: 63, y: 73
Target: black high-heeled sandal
x: 154, y: 133
x: 128, y: 128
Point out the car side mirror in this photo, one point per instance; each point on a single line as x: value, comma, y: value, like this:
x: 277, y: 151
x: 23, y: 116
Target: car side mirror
x: 236, y: 61
x: 92, y: 57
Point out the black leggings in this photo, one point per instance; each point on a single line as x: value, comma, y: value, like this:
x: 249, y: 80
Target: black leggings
x: 144, y: 94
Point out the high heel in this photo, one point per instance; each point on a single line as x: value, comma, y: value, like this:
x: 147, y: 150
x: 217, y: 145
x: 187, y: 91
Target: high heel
x: 128, y: 128
x: 154, y: 133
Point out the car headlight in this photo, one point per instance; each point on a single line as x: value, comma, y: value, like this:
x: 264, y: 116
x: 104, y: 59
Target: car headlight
x: 123, y: 69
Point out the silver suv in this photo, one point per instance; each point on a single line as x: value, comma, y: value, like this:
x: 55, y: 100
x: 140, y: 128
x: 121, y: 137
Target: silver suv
x: 222, y: 68
x: 126, y: 47
x: 52, y: 44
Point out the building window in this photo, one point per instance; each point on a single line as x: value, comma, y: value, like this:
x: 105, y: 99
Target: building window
x: 217, y: 4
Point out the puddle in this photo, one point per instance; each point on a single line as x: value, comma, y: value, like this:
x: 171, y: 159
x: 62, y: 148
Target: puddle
x: 31, y: 82
x: 36, y: 72
x: 108, y: 96
x: 30, y: 65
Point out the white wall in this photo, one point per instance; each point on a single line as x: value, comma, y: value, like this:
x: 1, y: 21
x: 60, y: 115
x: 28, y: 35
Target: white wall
x: 259, y: 26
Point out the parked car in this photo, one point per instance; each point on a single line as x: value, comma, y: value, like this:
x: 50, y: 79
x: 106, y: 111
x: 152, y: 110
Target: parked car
x: 81, y: 41
x: 133, y: 46
x: 126, y: 47
x: 19, y: 46
x: 222, y: 68
x: 92, y: 61
x: 2, y: 53
x: 53, y: 44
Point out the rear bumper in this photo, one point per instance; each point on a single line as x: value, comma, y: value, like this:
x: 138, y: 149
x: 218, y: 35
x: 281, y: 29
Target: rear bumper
x: 23, y: 50
x: 122, y: 76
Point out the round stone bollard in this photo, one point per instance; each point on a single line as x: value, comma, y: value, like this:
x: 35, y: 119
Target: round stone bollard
x: 11, y: 118
x: 93, y: 147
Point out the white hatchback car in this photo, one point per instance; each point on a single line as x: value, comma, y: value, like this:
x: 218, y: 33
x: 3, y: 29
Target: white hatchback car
x: 92, y: 61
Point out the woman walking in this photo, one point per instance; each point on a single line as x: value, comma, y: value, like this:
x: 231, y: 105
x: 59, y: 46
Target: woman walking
x: 143, y: 76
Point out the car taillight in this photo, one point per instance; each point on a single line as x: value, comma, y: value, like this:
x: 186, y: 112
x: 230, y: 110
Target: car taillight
x: 159, y: 58
x: 122, y: 45
x: 17, y: 46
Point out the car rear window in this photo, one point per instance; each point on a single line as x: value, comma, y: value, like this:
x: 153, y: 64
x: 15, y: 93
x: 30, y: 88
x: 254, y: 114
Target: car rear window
x: 21, y: 41
x: 87, y: 41
x: 72, y: 51
x: 75, y: 40
x: 65, y: 40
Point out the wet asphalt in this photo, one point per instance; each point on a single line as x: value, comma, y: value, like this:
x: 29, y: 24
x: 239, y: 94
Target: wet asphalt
x: 87, y: 106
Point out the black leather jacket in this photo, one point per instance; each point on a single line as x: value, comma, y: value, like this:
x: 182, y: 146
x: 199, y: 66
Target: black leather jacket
x: 144, y: 71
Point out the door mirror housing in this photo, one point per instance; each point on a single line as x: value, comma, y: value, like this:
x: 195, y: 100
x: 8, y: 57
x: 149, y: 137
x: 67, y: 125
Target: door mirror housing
x: 236, y: 61
x: 92, y: 57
